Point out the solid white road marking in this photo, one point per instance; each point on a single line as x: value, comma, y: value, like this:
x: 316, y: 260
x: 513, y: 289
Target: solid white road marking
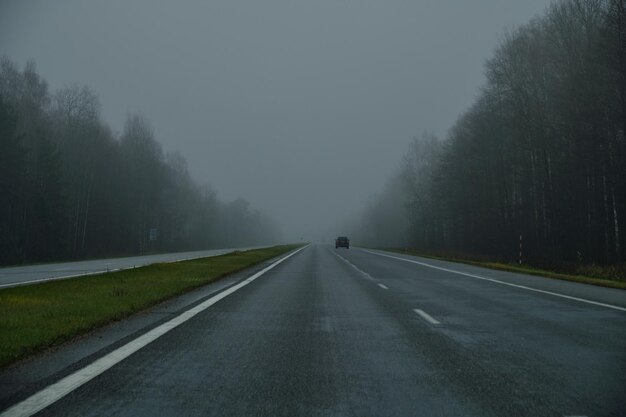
x: 33, y: 281
x: 58, y: 390
x: 384, y: 287
x: 569, y: 297
x: 425, y: 316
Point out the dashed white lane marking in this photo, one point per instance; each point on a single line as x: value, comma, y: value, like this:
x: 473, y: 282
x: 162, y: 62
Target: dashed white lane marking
x: 58, y: 390
x: 425, y: 316
x: 569, y: 297
x: 365, y: 274
x: 384, y: 287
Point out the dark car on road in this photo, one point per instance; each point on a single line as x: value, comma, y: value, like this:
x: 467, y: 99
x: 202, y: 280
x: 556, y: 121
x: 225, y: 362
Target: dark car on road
x: 342, y: 242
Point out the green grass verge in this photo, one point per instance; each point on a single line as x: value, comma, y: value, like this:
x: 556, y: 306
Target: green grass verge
x: 36, y: 317
x: 524, y: 269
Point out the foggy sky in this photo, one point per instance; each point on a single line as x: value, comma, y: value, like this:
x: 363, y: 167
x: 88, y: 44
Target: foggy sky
x: 304, y: 108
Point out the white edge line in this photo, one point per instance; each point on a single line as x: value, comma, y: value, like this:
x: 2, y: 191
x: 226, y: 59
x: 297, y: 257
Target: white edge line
x: 384, y: 287
x: 61, y: 388
x: 426, y: 316
x: 569, y: 297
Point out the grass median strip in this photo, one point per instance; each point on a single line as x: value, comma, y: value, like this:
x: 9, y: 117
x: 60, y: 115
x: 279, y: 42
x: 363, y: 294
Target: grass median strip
x: 35, y: 317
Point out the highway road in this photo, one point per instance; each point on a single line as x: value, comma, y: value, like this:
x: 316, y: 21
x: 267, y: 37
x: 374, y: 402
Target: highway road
x: 353, y: 332
x: 32, y: 274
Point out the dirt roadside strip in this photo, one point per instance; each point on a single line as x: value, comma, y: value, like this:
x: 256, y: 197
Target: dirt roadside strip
x: 523, y: 269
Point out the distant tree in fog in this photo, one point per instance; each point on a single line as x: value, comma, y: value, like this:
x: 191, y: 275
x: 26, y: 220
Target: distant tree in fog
x: 144, y: 171
x: 70, y: 188
x: 384, y: 221
x: 418, y: 177
x: 79, y: 134
x: 33, y: 167
x: 12, y: 183
x: 540, y: 154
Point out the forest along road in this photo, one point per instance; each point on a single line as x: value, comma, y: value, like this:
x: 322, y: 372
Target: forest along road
x: 356, y: 332
x: 32, y: 274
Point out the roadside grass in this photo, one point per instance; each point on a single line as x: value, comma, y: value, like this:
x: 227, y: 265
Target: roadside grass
x: 524, y: 269
x: 36, y: 317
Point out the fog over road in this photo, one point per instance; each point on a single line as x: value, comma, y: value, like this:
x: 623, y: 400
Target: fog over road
x: 32, y: 274
x: 354, y: 332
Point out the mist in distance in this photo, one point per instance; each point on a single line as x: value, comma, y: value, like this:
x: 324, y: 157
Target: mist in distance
x: 302, y: 108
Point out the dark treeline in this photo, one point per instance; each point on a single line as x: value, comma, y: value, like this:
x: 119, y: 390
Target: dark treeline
x: 70, y: 188
x: 540, y: 154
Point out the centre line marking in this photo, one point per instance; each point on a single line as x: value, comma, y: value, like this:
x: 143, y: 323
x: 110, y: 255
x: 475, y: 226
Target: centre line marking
x: 426, y: 316
x: 497, y: 281
x: 60, y: 389
x: 365, y: 274
x: 384, y: 287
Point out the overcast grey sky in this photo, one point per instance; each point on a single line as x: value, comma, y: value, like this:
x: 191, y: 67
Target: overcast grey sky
x: 304, y: 108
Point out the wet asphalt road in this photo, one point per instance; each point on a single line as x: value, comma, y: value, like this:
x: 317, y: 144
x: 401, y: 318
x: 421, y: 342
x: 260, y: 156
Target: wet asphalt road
x: 336, y: 333
x: 31, y: 274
